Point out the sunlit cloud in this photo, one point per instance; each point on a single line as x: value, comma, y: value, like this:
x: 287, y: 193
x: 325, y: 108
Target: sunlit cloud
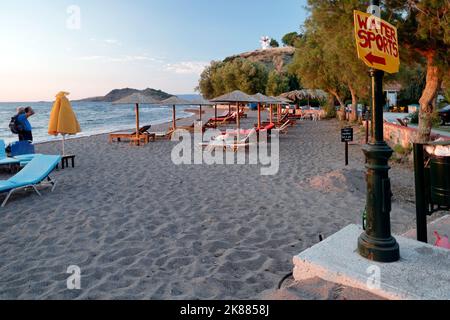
x: 113, y: 42
x: 187, y: 67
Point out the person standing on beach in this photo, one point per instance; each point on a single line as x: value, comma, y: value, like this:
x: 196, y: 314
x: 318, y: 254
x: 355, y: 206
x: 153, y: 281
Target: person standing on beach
x: 22, y: 117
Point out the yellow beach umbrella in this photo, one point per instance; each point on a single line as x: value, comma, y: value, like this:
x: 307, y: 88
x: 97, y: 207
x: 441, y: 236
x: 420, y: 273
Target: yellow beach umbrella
x: 62, y: 118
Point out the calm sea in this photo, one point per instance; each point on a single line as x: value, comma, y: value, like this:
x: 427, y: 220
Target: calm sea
x: 94, y: 118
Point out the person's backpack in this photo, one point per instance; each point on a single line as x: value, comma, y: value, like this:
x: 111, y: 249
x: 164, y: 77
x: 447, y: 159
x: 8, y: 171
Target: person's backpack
x: 15, y: 126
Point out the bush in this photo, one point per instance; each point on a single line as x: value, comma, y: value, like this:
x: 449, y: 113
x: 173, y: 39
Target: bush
x: 399, y: 149
x: 436, y: 119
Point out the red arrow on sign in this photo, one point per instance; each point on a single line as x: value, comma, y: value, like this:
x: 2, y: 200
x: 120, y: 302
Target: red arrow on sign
x: 375, y: 59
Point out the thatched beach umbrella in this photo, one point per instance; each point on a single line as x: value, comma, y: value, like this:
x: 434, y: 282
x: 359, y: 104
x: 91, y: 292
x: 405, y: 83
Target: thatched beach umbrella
x: 136, y: 99
x: 201, y: 102
x: 305, y: 94
x: 262, y: 99
x: 235, y: 97
x: 174, y: 102
x: 284, y: 101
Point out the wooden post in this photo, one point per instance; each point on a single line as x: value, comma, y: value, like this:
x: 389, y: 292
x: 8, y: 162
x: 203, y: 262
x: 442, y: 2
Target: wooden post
x: 174, y: 118
x: 229, y: 109
x: 238, y: 119
x: 367, y: 128
x: 238, y: 123
x: 271, y: 113
x: 137, y: 124
x: 215, y: 119
x: 346, y: 153
x: 279, y: 113
x: 259, y: 115
x: 200, y: 113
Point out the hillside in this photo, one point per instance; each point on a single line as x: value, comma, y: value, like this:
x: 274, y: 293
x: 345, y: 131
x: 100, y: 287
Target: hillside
x: 273, y: 58
x: 117, y: 94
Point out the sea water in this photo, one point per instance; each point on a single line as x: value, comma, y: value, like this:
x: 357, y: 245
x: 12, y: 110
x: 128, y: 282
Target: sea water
x: 94, y: 118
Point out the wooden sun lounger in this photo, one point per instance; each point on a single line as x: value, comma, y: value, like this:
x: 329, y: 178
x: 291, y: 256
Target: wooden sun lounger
x: 230, y: 119
x: 163, y: 135
x: 144, y: 135
x: 284, y: 128
x: 282, y: 122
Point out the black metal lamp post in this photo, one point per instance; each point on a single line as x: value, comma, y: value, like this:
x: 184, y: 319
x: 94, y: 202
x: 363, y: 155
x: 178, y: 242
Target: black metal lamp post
x: 377, y: 242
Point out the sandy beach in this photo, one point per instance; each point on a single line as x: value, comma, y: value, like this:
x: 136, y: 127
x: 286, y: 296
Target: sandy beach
x: 140, y: 227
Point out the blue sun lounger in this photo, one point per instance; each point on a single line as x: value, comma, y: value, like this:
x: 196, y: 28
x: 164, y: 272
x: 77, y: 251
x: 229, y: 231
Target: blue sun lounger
x: 32, y: 175
x: 4, y: 159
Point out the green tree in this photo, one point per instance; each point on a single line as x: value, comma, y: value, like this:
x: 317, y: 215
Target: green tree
x: 333, y: 21
x: 327, y: 56
x: 424, y: 30
x: 237, y: 74
x: 274, y: 43
x: 289, y: 39
x: 413, y: 81
x: 311, y: 66
x: 277, y: 83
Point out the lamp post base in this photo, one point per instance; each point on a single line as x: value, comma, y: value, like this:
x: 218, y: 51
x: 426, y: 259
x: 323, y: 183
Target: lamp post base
x: 377, y: 243
x: 378, y: 250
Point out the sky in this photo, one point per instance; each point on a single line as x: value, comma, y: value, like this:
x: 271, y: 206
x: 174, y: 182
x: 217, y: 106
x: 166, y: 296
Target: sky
x: 89, y: 47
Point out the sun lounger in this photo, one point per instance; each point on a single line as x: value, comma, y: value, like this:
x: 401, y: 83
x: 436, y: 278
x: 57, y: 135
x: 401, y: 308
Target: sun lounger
x: 402, y: 122
x: 225, y: 115
x: 284, y: 128
x: 228, y: 142
x: 163, y: 135
x: 222, y: 121
x: 242, y: 114
x: 32, y: 175
x: 282, y: 121
x: 4, y: 159
x: 119, y: 136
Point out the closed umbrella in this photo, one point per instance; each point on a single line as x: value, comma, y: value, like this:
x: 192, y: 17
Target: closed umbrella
x: 136, y: 99
x: 63, y: 120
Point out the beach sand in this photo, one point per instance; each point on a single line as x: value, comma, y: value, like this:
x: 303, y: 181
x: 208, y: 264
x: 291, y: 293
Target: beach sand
x: 140, y: 227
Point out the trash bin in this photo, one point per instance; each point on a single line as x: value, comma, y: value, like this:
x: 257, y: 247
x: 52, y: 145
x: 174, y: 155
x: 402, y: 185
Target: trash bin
x: 440, y: 181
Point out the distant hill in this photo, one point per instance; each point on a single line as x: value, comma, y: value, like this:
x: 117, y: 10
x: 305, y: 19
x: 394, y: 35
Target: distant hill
x: 122, y: 93
x: 189, y: 96
x: 273, y: 58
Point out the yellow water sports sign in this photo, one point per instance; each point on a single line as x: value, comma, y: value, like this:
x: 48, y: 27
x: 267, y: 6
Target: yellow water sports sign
x: 377, y: 42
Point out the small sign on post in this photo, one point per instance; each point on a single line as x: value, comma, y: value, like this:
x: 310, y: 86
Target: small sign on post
x: 347, y: 136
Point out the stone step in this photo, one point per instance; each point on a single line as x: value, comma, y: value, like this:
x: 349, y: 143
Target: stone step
x: 423, y: 273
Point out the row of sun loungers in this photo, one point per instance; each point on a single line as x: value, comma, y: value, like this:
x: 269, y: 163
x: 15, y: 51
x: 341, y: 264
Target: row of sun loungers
x: 280, y: 126
x: 146, y: 135
x: 228, y: 140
